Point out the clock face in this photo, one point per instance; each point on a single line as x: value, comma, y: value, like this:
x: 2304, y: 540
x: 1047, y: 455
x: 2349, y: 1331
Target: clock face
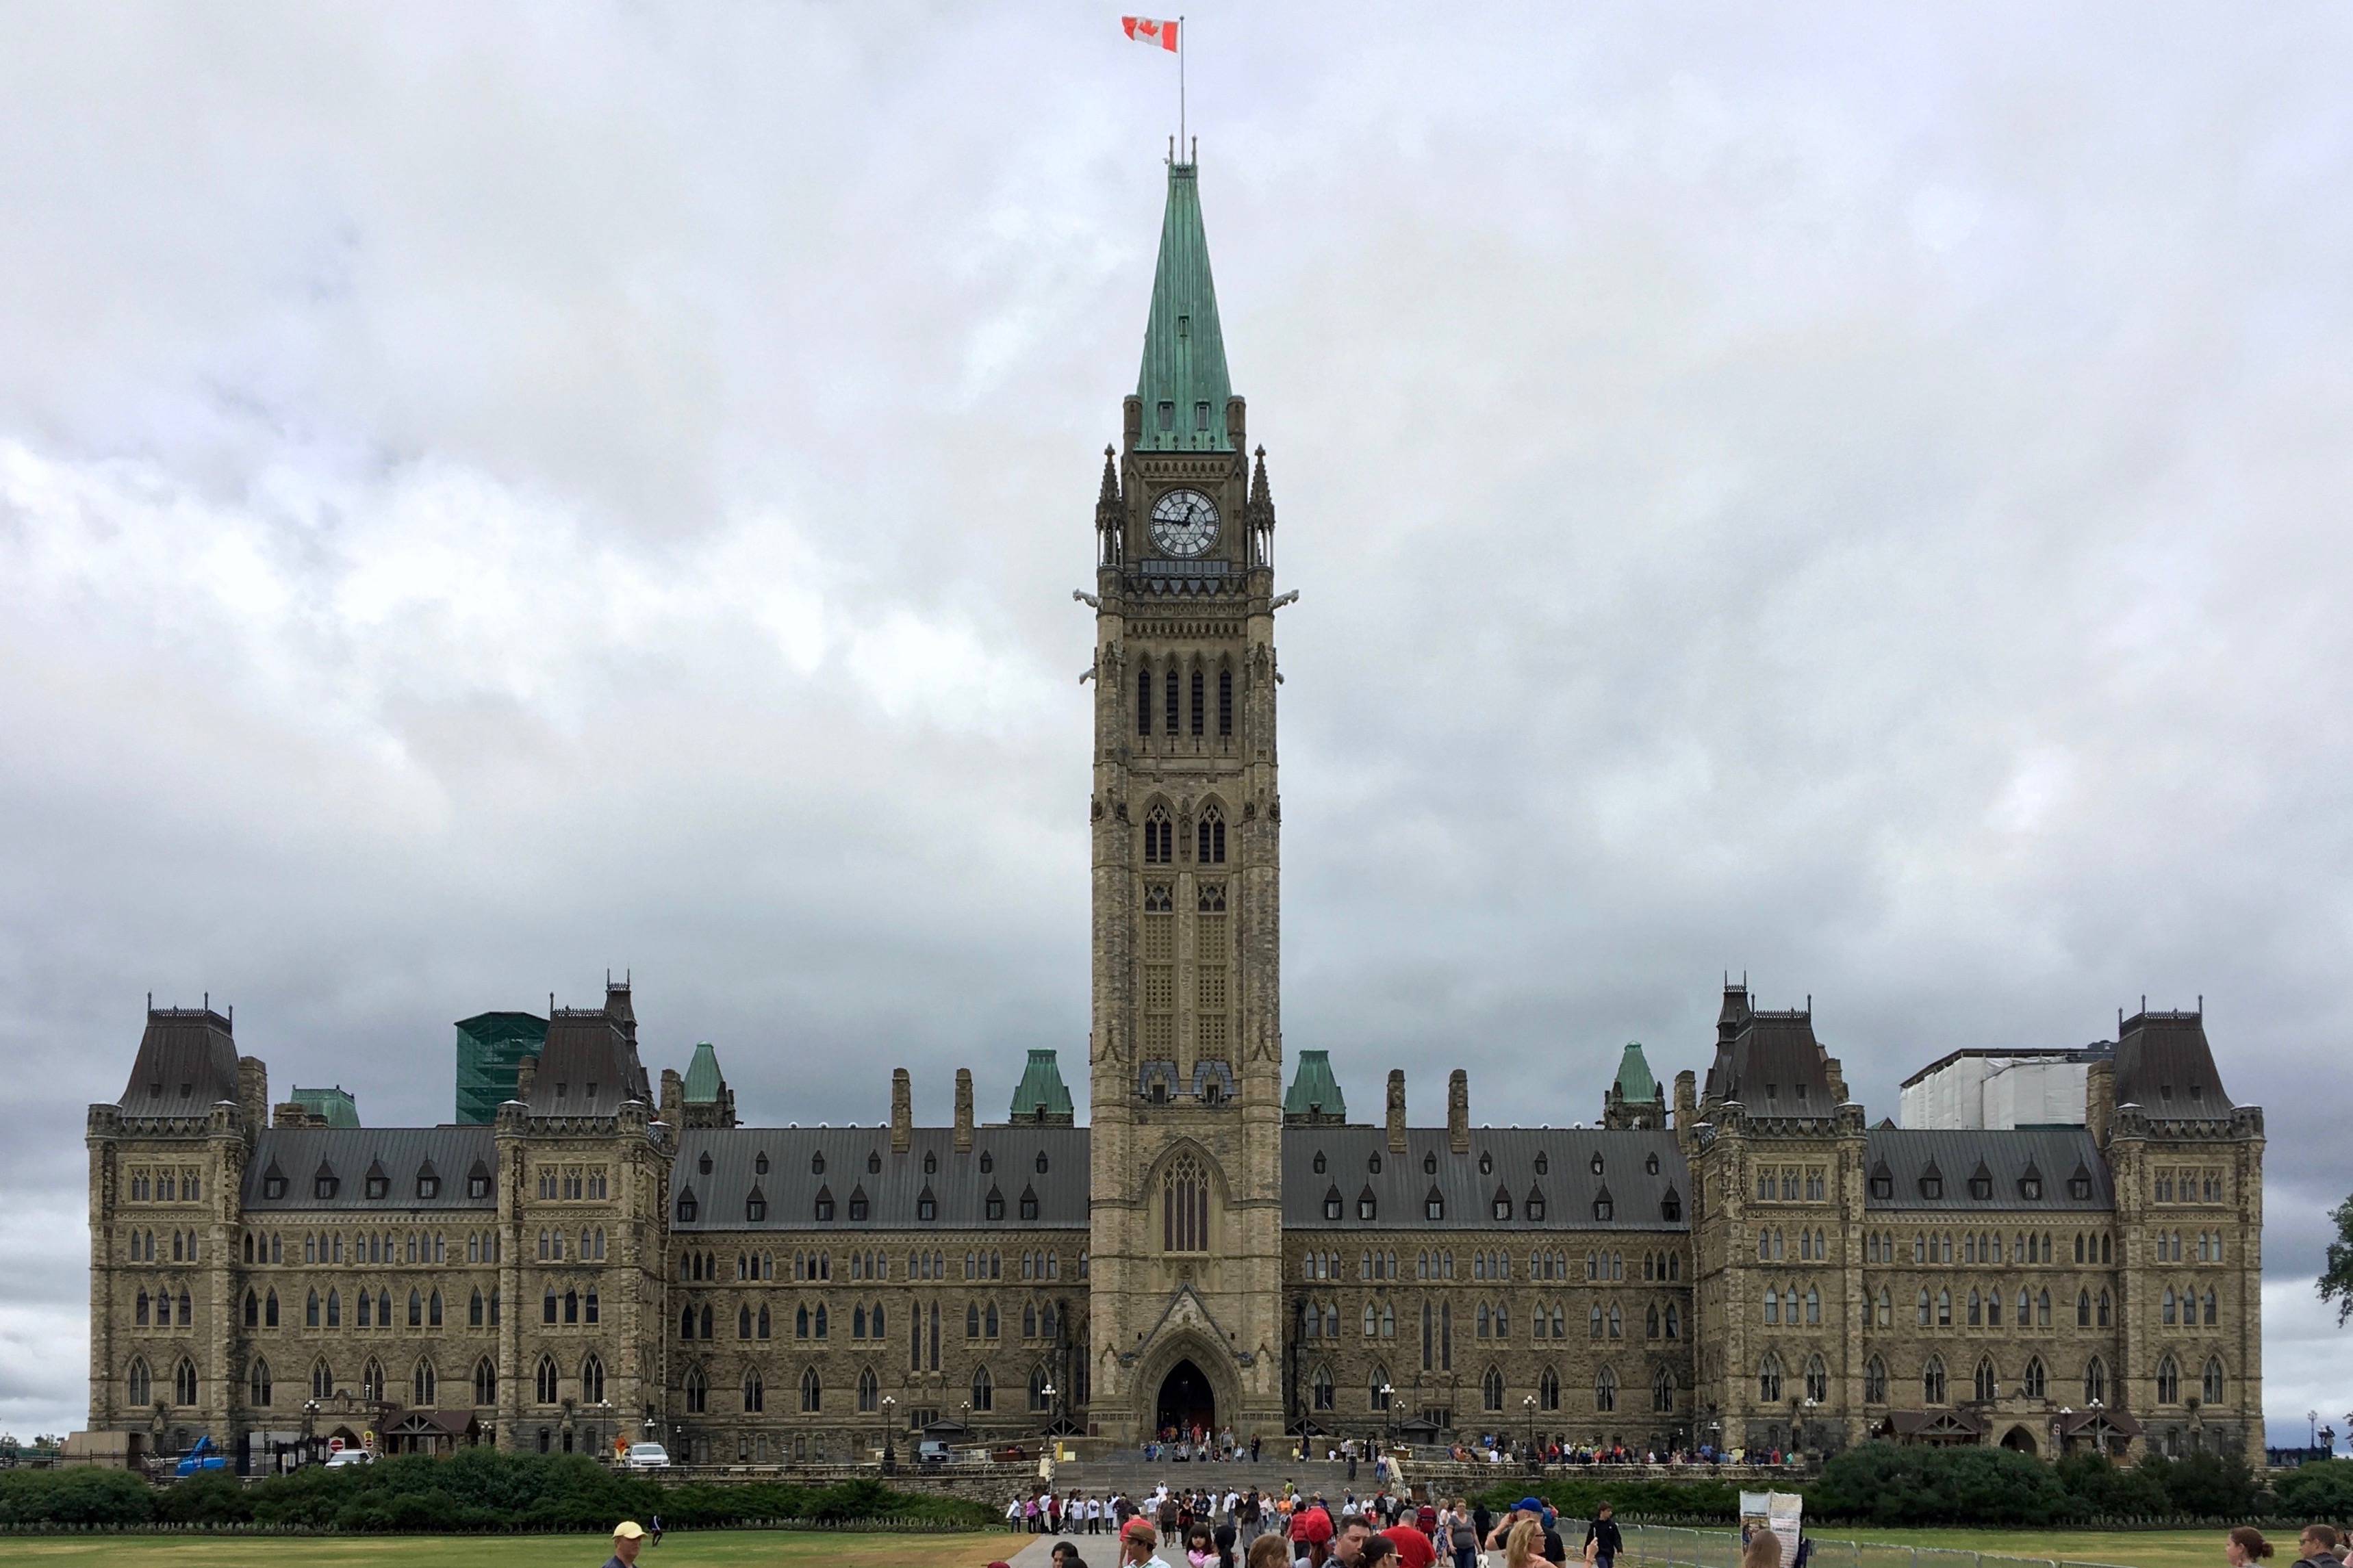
x: 1183, y: 524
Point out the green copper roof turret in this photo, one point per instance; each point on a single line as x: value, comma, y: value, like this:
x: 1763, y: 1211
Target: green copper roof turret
x: 1634, y: 1079
x: 702, y: 1079
x: 1315, y: 1093
x: 1183, y: 385
x: 1040, y: 1096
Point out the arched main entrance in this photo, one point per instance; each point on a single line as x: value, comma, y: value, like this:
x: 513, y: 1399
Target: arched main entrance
x: 1186, y: 1400
x: 2018, y: 1440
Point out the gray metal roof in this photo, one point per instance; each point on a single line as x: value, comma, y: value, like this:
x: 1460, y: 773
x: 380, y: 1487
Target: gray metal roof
x: 299, y: 1153
x: 589, y: 1064
x: 1401, y: 1186
x: 2056, y: 1153
x: 958, y: 1183
x: 187, y: 1063
x: 2165, y: 1066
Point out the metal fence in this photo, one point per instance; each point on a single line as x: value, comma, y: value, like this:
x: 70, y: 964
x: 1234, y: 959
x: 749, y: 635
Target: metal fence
x: 1675, y: 1546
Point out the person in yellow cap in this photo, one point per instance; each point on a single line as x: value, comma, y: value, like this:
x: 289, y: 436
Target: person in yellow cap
x: 628, y: 1540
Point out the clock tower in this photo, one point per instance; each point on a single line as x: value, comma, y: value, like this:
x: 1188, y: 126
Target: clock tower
x: 1186, y: 1053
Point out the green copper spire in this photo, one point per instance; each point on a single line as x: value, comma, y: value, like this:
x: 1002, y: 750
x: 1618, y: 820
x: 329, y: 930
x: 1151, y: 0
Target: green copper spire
x: 703, y: 1080
x: 1183, y: 385
x: 1040, y: 1098
x: 1314, y: 1097
x: 1634, y: 1079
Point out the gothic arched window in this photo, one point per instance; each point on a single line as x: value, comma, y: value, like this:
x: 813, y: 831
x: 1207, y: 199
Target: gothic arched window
x: 1211, y: 850
x: 2212, y: 1391
x: 1159, y: 836
x: 1143, y: 701
x: 870, y: 1392
x: 813, y: 1393
x: 423, y: 1385
x: 1605, y: 1387
x: 2096, y: 1381
x: 1225, y: 702
x: 1491, y: 1390
x: 1185, y: 1206
x: 1985, y: 1386
x: 1200, y: 714
x: 756, y: 1393
x: 2168, y: 1381
x: 486, y: 1382
x: 1169, y: 686
x: 258, y: 1382
x: 2035, y: 1384
x: 1769, y: 1379
x: 1932, y: 1382
x: 984, y: 1389
x: 543, y: 1384
x: 698, y: 1392
x: 1875, y: 1381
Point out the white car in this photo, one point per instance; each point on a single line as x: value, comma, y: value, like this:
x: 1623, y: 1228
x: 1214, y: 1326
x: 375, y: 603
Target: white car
x: 346, y: 1457
x: 647, y: 1456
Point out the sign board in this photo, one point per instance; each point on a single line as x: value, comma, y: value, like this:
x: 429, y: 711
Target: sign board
x: 1780, y: 1512
x: 334, y: 1445
x: 367, y: 1441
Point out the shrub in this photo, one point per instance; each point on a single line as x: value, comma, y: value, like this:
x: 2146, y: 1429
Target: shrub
x: 1578, y: 1498
x: 1880, y: 1483
x: 2322, y: 1490
x: 78, y: 1496
x: 2102, y: 1489
x: 2207, y: 1486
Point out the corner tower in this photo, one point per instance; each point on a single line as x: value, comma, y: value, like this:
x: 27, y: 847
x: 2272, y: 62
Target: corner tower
x: 1186, y: 1054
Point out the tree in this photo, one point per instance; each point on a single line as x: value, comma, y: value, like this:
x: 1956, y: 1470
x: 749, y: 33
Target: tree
x: 2337, y: 1279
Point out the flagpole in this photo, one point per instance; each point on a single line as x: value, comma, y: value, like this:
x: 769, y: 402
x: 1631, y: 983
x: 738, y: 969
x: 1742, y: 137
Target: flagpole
x: 1180, y: 85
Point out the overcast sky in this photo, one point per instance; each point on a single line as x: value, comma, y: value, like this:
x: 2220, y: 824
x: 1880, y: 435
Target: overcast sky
x: 1855, y: 496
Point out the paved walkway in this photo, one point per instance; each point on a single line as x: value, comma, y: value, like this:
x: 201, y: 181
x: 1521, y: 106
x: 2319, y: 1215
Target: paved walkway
x: 1100, y: 1551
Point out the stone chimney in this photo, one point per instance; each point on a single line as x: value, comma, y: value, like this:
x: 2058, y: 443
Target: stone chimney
x: 2100, y: 1101
x: 902, y: 1110
x: 252, y: 1094
x: 964, y: 1111
x: 294, y: 1113
x: 1686, y: 1101
x: 1458, y: 1111
x: 673, y: 1099
x: 1837, y: 1075
x: 1397, y: 1111
x: 526, y: 1071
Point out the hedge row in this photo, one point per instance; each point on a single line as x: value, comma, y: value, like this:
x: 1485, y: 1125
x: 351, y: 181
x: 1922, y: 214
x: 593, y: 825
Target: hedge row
x: 1882, y: 1484
x: 475, y: 1489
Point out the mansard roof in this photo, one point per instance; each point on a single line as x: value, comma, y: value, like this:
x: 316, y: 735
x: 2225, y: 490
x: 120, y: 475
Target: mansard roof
x: 589, y: 1065
x: 400, y: 1155
x: 957, y: 1181
x: 1770, y: 1062
x: 1041, y: 1095
x: 1313, y: 1090
x: 2165, y: 1067
x: 186, y: 1064
x: 703, y: 1081
x: 1906, y: 1155
x: 1634, y: 1082
x: 1402, y: 1186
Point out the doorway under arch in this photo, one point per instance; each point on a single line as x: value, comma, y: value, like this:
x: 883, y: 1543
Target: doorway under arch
x: 1186, y: 1400
x: 2018, y: 1440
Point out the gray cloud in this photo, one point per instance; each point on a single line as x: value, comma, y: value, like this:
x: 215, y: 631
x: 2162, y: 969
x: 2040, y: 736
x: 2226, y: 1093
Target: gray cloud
x: 1847, y: 495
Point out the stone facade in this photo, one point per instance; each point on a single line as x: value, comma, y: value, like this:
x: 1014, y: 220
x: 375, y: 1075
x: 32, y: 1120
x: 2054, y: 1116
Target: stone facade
x: 1747, y: 1262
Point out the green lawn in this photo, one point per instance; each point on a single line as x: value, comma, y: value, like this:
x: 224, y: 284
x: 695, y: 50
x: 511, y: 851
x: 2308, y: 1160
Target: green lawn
x: 768, y: 1548
x: 1886, y: 1548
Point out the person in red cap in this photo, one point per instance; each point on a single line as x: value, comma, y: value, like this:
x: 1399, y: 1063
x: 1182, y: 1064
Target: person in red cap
x: 1310, y: 1528
x: 1413, y: 1548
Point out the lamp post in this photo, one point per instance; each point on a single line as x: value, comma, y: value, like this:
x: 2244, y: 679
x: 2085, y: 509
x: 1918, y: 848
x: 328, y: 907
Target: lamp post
x: 1389, y: 1411
x: 1046, y: 1392
x: 1804, y: 1437
x: 890, y: 1455
x: 1528, y: 1403
x: 2312, y: 1433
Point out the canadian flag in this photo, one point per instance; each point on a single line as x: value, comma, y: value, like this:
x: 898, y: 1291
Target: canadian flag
x: 1145, y: 30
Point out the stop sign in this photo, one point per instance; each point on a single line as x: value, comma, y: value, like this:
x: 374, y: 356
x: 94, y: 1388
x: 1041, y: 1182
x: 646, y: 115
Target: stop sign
x: 334, y: 1445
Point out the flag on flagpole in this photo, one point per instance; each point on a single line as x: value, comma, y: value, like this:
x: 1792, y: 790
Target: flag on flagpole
x: 1145, y: 30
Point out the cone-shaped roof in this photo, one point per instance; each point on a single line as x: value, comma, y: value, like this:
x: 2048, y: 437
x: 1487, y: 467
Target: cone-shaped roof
x: 703, y: 1080
x: 1183, y: 385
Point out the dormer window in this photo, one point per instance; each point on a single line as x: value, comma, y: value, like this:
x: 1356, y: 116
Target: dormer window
x: 931, y: 1163
x: 429, y: 1186
x: 704, y: 1164
x: 1800, y: 1092
x: 1201, y: 415
x: 825, y: 1204
x: 756, y: 1207
x: 1486, y: 1163
x: 760, y: 1163
x: 2196, y: 1091
x: 927, y: 1207
x: 987, y: 1161
x: 1597, y: 1162
x: 1670, y: 1208
x: 1603, y: 1208
x: 1212, y: 1092
x: 1501, y: 1207
x: 1772, y: 1091
x: 1650, y: 1166
x: 858, y: 1207
x: 816, y: 1163
x: 873, y: 1163
x: 1932, y: 1186
x: 1882, y: 1185
x: 1041, y: 1162
x: 1029, y: 1202
x: 1981, y: 1187
x: 1374, y: 1165
x: 2079, y: 1185
x: 687, y: 1207
x: 994, y: 1207
x: 1429, y: 1165
x: 2165, y: 1093
x: 324, y: 1184
x: 478, y: 1183
x: 1434, y: 1206
x: 1159, y: 1091
x: 1544, y: 1165
x: 1184, y: 326
x: 1535, y: 1207
x: 1168, y: 414
x: 1367, y: 1207
x: 2030, y: 1188
x: 273, y: 1185
x: 378, y: 1186
x: 1332, y: 1204
x: 1319, y: 1162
